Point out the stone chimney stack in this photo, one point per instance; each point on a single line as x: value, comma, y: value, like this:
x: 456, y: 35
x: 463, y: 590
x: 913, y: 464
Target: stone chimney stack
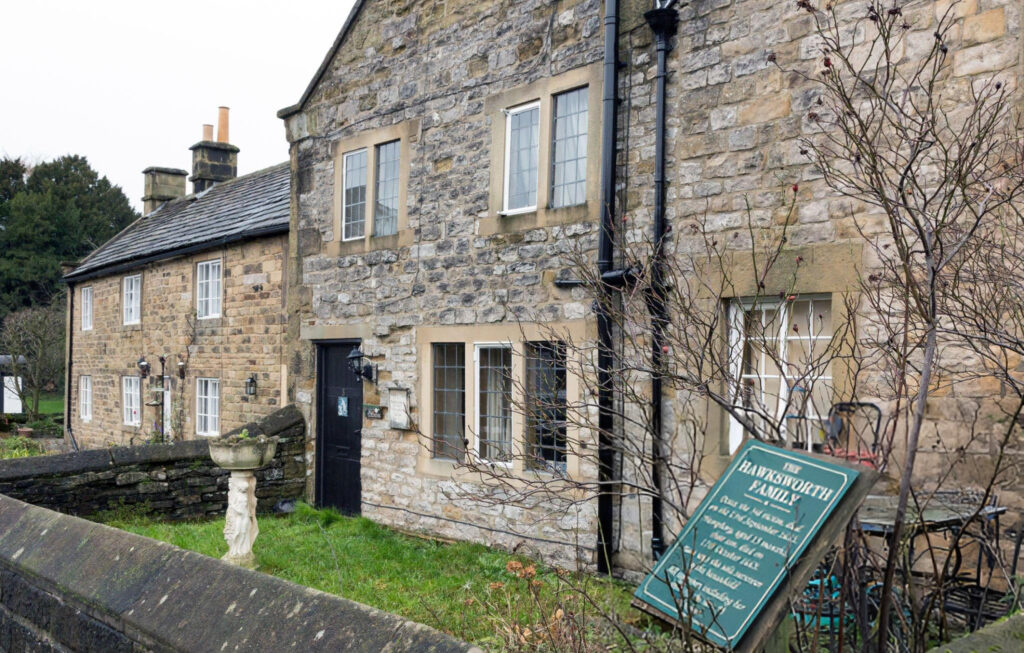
x: 162, y: 185
x: 213, y: 161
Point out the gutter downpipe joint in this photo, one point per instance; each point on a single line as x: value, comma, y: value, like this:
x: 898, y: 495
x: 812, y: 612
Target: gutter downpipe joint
x: 606, y: 419
x: 663, y: 22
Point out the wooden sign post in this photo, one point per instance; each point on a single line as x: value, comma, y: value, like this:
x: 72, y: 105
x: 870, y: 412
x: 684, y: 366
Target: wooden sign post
x: 760, y: 532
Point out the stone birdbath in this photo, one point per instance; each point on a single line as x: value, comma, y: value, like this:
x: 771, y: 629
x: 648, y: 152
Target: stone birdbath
x: 242, y: 454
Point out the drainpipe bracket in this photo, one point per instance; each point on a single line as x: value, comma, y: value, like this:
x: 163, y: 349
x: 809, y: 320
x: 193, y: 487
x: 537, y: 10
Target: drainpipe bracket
x: 663, y: 21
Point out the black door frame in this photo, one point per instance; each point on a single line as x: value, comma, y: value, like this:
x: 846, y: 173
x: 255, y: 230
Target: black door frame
x: 321, y: 357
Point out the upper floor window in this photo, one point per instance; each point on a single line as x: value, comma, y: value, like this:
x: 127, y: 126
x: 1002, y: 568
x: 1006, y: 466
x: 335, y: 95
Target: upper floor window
x: 522, y: 154
x: 569, y: 149
x: 353, y: 201
x: 385, y: 205
x: 85, y: 398
x: 781, y: 372
x: 208, y: 283
x: 207, y: 406
x: 87, y: 308
x: 131, y: 400
x: 132, y: 298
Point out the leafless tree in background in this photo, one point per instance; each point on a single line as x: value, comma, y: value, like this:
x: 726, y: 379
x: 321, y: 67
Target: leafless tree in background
x: 34, y: 339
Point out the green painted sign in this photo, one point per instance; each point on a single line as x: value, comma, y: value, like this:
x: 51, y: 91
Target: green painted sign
x: 746, y: 534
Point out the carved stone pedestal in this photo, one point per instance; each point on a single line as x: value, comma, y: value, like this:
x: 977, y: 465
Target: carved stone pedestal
x: 240, y: 527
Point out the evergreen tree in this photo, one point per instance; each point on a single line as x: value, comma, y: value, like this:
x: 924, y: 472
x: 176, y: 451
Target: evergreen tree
x: 60, y: 212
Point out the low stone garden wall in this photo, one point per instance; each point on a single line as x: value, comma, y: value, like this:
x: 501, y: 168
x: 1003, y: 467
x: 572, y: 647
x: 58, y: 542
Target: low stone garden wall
x: 176, y: 481
x: 71, y: 584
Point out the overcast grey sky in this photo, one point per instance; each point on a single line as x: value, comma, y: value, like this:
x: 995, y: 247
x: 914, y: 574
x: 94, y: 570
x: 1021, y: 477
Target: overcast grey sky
x: 129, y: 84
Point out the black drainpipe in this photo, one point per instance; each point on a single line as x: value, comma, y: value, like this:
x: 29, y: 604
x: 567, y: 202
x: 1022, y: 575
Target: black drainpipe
x: 606, y: 420
x: 663, y: 22
x: 67, y: 373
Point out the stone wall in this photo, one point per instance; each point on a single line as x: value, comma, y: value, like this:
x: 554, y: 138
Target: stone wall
x: 739, y: 102
x: 734, y: 124
x: 247, y: 339
x: 455, y: 263
x: 174, y: 481
x: 69, y: 584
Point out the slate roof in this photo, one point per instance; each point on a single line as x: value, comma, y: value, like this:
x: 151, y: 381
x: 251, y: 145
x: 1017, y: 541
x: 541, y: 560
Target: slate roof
x: 247, y: 207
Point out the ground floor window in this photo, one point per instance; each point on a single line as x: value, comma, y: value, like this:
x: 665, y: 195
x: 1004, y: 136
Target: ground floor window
x: 449, y: 387
x: 207, y: 406
x: 546, y: 404
x: 85, y: 397
x: 781, y: 371
x: 131, y: 400
x: 494, y: 401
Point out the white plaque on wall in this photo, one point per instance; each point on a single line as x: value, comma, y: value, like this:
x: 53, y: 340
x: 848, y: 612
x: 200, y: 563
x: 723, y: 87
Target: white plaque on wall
x: 398, y: 408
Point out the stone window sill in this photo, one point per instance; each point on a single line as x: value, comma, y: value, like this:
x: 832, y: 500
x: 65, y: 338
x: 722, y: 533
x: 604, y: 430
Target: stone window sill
x: 504, y: 223
x: 403, y: 238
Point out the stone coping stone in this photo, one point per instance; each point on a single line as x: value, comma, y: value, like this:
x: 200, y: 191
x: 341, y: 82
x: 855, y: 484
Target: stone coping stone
x: 285, y: 422
x: 89, y: 460
x: 1002, y: 636
x: 168, y: 599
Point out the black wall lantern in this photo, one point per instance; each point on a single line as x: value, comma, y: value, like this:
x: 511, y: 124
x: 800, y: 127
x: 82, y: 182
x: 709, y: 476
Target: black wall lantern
x: 250, y: 386
x: 143, y: 367
x: 362, y: 370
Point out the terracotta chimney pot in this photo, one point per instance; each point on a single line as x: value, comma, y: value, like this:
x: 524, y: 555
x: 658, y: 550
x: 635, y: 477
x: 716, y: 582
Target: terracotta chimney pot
x: 222, y: 125
x: 207, y: 132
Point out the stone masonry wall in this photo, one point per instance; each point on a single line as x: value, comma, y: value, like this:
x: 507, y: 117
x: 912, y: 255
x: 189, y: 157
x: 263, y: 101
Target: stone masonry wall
x: 247, y: 339
x: 461, y: 265
x: 174, y: 481
x: 734, y: 122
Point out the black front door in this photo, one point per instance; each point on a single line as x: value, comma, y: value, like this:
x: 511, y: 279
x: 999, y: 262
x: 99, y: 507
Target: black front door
x: 339, y: 429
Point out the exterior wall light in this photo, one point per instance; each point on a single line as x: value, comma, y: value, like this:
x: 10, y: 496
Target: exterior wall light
x: 250, y: 386
x: 362, y: 370
x: 143, y: 367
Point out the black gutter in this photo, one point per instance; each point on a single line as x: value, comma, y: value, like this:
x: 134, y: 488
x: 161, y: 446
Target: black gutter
x: 68, y: 373
x: 606, y: 419
x: 138, y: 261
x: 663, y: 22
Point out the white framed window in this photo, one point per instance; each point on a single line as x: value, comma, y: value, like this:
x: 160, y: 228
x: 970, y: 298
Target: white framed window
x: 353, y: 199
x: 569, y: 149
x: 87, y: 308
x: 493, y: 364
x: 780, y: 367
x: 522, y: 154
x: 131, y: 300
x: 208, y: 289
x: 85, y: 398
x: 386, y: 188
x: 207, y: 406
x: 131, y: 400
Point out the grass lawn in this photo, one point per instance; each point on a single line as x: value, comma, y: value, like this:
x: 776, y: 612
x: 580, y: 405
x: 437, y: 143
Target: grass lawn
x: 51, y: 403
x: 475, y: 593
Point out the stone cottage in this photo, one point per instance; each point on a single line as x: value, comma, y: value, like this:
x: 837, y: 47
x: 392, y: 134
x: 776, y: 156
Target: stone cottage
x: 176, y: 324
x: 449, y: 163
